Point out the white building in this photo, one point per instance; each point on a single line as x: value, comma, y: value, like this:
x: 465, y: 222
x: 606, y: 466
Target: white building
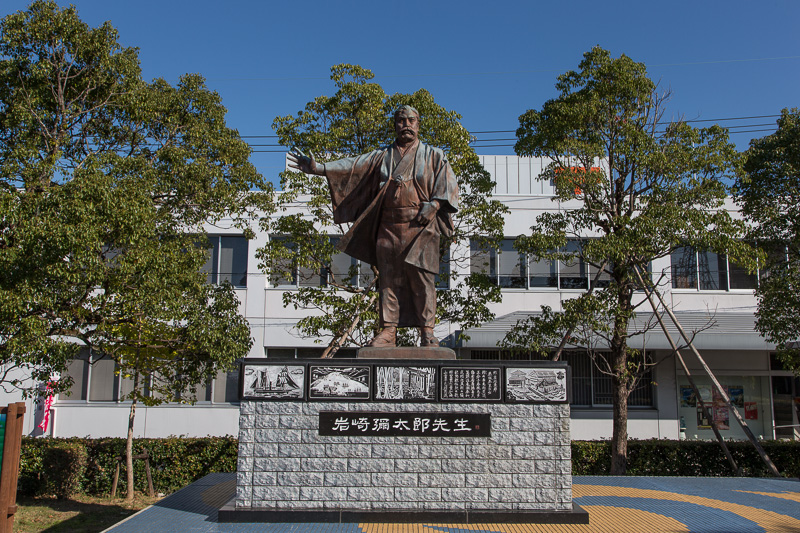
x: 701, y: 287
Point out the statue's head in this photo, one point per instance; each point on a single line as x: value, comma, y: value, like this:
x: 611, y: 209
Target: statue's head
x: 406, y: 124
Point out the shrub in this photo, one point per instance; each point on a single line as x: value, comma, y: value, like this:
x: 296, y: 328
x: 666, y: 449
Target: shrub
x: 686, y: 458
x: 175, y: 462
x: 64, y: 466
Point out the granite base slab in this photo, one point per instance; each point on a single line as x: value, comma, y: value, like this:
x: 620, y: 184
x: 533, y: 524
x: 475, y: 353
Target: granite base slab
x: 230, y: 514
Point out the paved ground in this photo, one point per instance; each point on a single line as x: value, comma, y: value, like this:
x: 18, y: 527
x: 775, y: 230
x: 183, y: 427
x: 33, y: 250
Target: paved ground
x: 615, y: 504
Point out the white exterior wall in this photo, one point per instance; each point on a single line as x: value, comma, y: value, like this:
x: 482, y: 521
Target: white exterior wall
x: 109, y: 419
x: 272, y: 326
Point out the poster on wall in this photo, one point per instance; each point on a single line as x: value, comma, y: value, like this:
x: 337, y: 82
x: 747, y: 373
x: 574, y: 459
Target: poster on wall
x: 721, y: 418
x: 688, y: 398
x: 341, y: 382
x: 736, y: 393
x: 703, y: 421
x: 750, y: 411
x: 705, y: 393
x: 274, y: 382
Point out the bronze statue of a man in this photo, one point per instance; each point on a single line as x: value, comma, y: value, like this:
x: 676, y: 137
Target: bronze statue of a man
x: 400, y: 200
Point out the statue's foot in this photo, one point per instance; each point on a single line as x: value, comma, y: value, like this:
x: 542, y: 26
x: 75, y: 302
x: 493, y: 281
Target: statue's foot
x: 386, y: 338
x: 427, y: 338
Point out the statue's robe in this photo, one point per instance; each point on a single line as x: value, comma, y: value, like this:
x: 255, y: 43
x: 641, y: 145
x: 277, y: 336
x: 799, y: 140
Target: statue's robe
x: 358, y: 187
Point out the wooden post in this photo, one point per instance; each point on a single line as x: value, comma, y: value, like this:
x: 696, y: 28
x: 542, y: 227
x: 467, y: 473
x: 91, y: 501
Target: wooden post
x: 146, y: 456
x: 150, y: 490
x: 15, y: 413
x: 720, y: 389
x: 708, y: 412
x: 116, y: 480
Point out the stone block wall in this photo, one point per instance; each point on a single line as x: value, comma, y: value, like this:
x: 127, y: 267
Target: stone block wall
x: 284, y: 464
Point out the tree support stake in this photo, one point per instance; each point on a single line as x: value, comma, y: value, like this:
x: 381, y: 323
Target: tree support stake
x: 720, y: 389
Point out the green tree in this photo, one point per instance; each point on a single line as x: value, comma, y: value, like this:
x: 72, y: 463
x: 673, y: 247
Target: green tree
x: 769, y: 193
x: 355, y: 120
x: 106, y: 182
x: 637, y: 188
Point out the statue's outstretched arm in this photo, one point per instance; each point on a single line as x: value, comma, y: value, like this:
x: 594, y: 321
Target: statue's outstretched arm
x: 304, y: 163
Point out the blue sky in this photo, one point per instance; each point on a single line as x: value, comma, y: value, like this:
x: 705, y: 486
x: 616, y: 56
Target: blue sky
x: 489, y: 61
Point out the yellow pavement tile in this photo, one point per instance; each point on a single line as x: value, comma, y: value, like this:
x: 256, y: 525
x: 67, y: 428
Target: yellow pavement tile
x: 601, y: 520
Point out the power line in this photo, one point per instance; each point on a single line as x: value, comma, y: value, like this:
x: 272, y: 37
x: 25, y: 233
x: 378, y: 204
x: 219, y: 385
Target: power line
x: 478, y: 143
x: 500, y: 72
x: 752, y: 131
x: 694, y: 120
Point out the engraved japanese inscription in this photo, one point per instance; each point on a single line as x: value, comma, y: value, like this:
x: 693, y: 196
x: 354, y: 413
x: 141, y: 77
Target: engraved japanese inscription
x: 471, y: 383
x: 379, y: 424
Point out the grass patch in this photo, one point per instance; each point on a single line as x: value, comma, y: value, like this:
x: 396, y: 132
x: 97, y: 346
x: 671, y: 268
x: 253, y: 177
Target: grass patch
x: 79, y: 514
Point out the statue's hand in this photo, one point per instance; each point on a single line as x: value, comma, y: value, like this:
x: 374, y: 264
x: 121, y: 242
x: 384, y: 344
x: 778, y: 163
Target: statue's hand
x: 427, y: 212
x: 299, y: 161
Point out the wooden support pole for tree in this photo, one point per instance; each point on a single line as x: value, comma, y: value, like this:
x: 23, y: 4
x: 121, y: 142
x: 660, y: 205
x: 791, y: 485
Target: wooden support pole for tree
x: 146, y: 456
x: 116, y: 480
x: 723, y: 394
x: 696, y: 390
x: 331, y: 350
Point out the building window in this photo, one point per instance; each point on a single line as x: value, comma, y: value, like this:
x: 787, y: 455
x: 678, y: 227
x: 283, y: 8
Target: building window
x: 347, y: 270
x: 78, y: 370
x: 511, y: 269
x: 505, y: 267
x: 572, y: 274
x: 708, y: 271
x: 225, y: 387
x: 593, y: 388
x: 343, y: 269
x: 103, y: 384
x: 286, y: 273
x: 443, y: 277
x: 95, y: 379
x: 542, y: 273
x: 227, y: 260
x: 307, y: 353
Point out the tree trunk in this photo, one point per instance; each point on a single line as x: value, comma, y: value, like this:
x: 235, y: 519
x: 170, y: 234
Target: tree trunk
x: 129, y: 443
x: 619, y: 432
x: 621, y: 381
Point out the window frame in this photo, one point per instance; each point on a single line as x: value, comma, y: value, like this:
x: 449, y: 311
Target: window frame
x: 89, y: 358
x: 698, y: 273
x: 363, y: 277
x: 212, y: 268
x: 586, y: 269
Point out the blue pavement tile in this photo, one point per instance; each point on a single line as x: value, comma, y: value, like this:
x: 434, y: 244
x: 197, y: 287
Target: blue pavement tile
x: 194, y: 508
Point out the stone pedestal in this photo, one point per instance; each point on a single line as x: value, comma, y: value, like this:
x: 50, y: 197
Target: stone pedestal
x: 291, y: 468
